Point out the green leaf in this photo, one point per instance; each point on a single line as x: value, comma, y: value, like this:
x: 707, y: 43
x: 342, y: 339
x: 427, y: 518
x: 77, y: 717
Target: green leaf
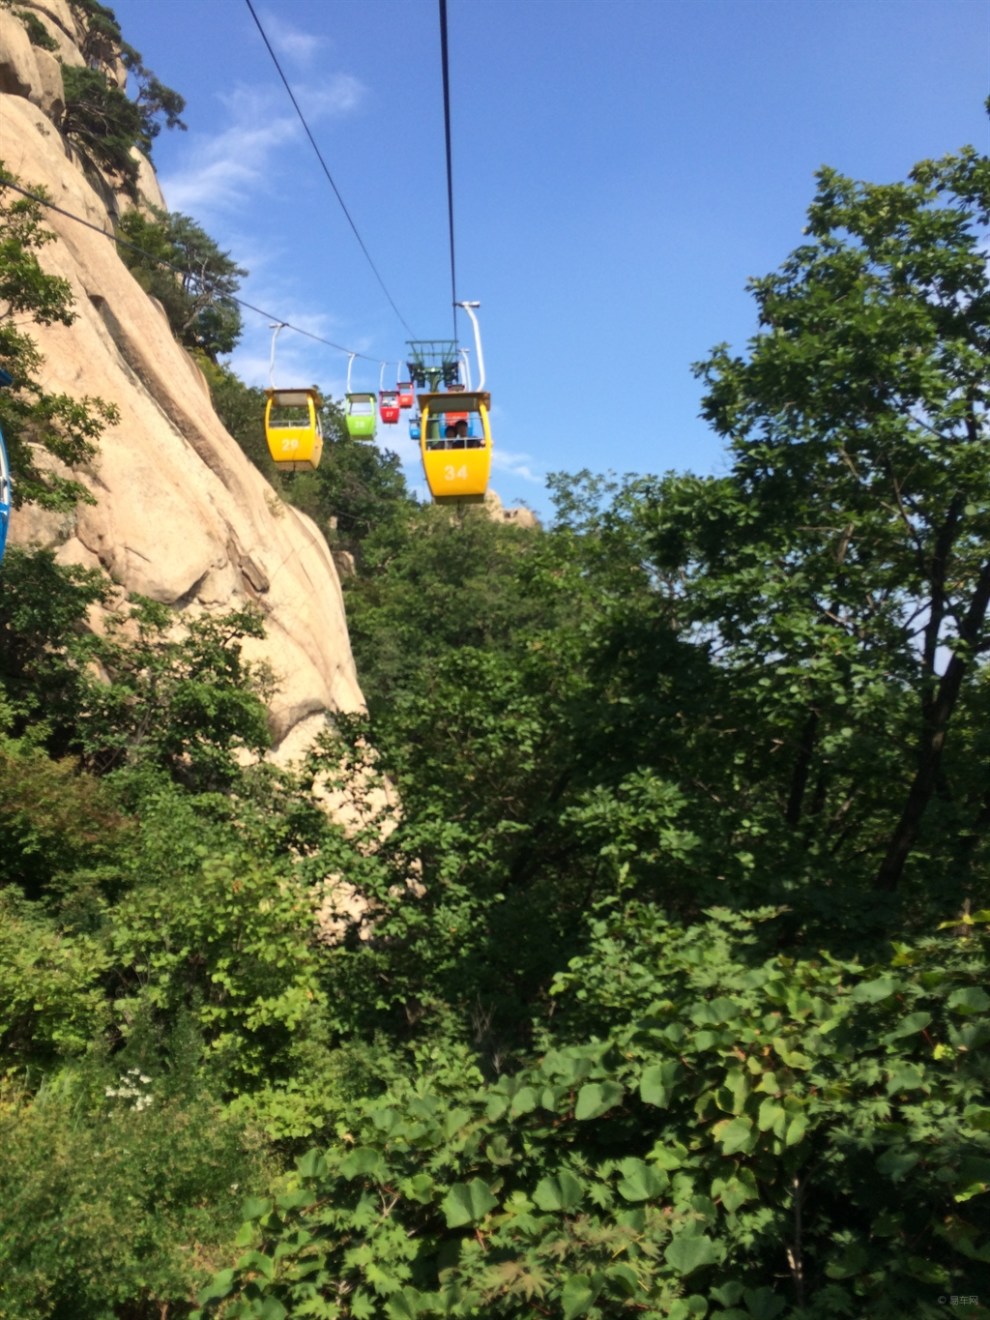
x: 772, y: 1117
x: 906, y: 1077
x: 466, y: 1203
x: 361, y: 1161
x: 895, y: 1163
x: 763, y: 1303
x: 559, y: 1191
x: 735, y: 1191
x: 256, y: 1207
x: 405, y: 1305
x: 728, y: 1293
x: 218, y: 1288
x: 578, y: 1295
x: 735, y: 1135
x: 688, y: 1252
x: 683, y: 1308
x: 914, y: 1022
x: 796, y: 1128
x: 454, y: 1121
x: 524, y: 1101
x: 871, y: 992
x: 597, y: 1098
x: 312, y: 1165
x: 970, y: 999
x: 257, y: 1260
x: 978, y: 1117
x: 639, y: 1181
x: 851, y: 1261
x: 419, y: 1187
x: 625, y: 1277
x: 656, y: 1084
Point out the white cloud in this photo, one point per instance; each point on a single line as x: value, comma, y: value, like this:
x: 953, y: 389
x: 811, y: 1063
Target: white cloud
x: 224, y: 171
x: 338, y: 95
x: 517, y: 465
x: 292, y: 42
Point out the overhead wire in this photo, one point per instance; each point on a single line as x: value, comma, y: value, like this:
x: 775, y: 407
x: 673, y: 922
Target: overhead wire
x: 241, y: 302
x: 326, y: 170
x: 445, y: 64
x: 7, y: 182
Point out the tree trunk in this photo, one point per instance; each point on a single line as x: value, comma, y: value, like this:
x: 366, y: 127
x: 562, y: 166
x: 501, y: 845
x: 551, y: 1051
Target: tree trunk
x: 937, y: 715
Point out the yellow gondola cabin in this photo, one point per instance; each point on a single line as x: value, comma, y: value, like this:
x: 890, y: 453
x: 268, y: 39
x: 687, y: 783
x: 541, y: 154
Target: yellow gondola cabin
x: 456, y: 445
x: 292, y: 429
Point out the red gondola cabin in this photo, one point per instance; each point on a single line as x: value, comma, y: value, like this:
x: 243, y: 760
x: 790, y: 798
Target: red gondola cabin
x: 388, y: 406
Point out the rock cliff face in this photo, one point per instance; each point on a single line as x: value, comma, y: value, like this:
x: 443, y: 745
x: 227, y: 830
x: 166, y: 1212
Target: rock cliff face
x: 181, y: 515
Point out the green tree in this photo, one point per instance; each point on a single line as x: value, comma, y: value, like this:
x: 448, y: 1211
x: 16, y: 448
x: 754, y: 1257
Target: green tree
x: 30, y: 416
x: 103, y: 122
x: 844, y: 556
x: 175, y: 260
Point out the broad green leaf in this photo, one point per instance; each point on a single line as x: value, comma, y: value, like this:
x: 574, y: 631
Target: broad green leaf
x: 728, y: 1293
x: 597, y: 1098
x: 772, y: 1117
x: 497, y: 1106
x: 639, y: 1181
x: 688, y: 1252
x: 559, y: 1191
x: 977, y: 1117
x: 683, y: 1308
x: 970, y: 999
x: 466, y: 1203
x: 551, y: 1096
x: 257, y: 1260
x: 454, y: 1121
x: 735, y: 1135
x: 361, y: 1161
x: 218, y: 1288
x: 626, y: 1278
x: 851, y: 1261
x: 914, y: 1022
x: 524, y: 1101
x: 668, y: 1155
x: 906, y: 1077
x: 795, y: 1130
x: 871, y: 992
x: 656, y: 1083
x: 578, y: 1295
x: 256, y: 1207
x: 896, y: 1163
x: 735, y: 1191
x: 419, y: 1187
x: 763, y: 1303
x: 312, y: 1165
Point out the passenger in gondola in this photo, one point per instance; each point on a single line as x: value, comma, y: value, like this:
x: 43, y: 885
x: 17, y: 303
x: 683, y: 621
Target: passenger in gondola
x: 472, y: 440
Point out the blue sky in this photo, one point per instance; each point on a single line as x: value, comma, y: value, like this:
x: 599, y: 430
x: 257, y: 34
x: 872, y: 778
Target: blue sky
x: 621, y: 168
